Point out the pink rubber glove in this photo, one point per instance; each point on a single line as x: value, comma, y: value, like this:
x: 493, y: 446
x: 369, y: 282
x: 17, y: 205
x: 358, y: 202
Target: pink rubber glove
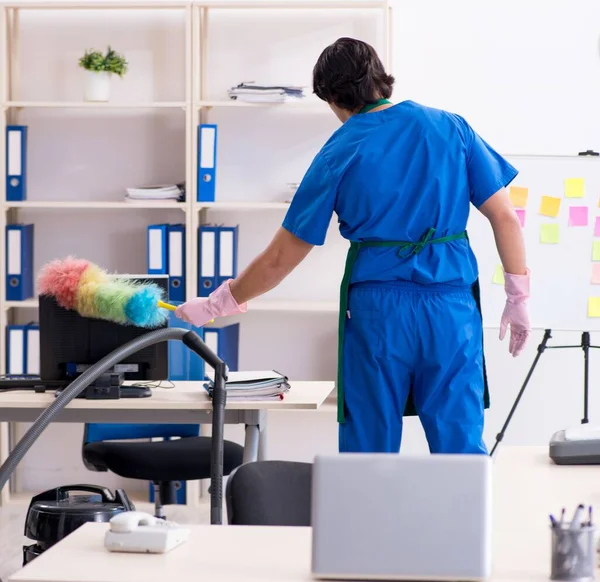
x: 515, y: 312
x: 219, y: 303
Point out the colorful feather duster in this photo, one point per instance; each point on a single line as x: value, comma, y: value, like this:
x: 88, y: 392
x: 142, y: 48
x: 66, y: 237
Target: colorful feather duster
x: 79, y: 285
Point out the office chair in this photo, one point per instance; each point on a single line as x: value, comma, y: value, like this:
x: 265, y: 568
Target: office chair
x: 163, y: 463
x: 270, y: 493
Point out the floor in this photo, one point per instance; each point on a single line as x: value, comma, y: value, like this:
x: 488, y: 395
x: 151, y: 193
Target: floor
x: 12, y: 521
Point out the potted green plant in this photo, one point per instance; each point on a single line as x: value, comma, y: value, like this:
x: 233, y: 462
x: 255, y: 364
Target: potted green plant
x: 99, y: 68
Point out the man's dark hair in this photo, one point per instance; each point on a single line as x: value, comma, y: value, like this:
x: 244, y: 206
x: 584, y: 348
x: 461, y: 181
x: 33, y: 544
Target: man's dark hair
x: 350, y: 74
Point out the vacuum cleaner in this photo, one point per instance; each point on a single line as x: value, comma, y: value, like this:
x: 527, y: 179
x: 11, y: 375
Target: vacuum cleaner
x: 54, y: 514
x: 193, y: 342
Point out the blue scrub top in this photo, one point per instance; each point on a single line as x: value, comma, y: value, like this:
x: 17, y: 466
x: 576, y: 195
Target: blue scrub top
x: 393, y: 174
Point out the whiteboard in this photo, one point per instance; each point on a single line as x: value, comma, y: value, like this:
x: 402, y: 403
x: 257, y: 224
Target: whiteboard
x: 524, y: 73
x: 561, y: 273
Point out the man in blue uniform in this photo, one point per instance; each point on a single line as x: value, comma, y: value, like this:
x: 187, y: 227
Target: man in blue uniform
x: 401, y: 179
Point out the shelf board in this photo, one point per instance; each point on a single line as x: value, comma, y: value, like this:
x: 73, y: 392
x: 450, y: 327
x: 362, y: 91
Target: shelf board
x: 258, y: 305
x: 310, y: 104
x: 93, y: 105
x: 294, y: 4
x: 242, y: 205
x: 93, y: 205
x: 27, y: 304
x: 97, y: 4
x: 293, y: 306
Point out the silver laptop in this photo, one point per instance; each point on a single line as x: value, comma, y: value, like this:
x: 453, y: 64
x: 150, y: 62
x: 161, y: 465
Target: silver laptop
x: 395, y: 517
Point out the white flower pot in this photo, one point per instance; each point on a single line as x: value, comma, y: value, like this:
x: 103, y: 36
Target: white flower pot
x: 97, y: 86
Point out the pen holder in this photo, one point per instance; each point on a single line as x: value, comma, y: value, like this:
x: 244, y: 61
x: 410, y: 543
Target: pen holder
x: 573, y: 553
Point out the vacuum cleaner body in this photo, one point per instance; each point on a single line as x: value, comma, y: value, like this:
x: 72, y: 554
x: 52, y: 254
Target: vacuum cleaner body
x: 54, y: 514
x: 577, y: 446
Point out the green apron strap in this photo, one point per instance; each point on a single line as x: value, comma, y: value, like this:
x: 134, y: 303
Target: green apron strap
x: 371, y: 106
x: 405, y: 249
x: 344, y: 289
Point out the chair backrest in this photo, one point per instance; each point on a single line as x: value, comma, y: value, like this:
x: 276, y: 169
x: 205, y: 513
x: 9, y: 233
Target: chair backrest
x: 183, y: 365
x: 270, y: 493
x: 94, y: 432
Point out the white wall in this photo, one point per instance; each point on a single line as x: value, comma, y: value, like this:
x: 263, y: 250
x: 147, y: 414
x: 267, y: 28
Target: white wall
x: 77, y: 154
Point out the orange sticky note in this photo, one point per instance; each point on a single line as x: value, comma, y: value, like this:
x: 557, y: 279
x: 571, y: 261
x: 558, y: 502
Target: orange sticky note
x: 518, y: 196
x: 550, y: 206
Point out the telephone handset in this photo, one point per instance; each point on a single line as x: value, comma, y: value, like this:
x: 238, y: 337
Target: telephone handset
x: 128, y: 521
x: 140, y: 532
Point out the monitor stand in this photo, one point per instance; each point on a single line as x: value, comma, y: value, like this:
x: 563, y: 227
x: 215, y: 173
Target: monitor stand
x: 109, y: 386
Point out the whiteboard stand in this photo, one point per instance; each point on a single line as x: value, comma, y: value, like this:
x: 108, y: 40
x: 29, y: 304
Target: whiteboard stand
x: 585, y: 346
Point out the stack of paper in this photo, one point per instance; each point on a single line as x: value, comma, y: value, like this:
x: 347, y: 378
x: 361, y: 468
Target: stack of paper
x: 253, y: 93
x: 264, y: 385
x: 157, y: 193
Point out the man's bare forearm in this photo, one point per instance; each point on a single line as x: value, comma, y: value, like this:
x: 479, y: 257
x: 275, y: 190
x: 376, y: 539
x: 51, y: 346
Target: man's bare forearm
x: 510, y: 244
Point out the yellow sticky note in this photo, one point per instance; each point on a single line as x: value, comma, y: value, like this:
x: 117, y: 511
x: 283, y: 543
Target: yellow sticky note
x: 518, y: 196
x: 549, y: 234
x: 596, y: 251
x: 574, y: 187
x: 498, y: 278
x: 550, y: 206
x: 593, y: 306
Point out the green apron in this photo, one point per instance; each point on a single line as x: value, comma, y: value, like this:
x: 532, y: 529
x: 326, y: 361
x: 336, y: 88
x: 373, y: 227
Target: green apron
x: 405, y: 249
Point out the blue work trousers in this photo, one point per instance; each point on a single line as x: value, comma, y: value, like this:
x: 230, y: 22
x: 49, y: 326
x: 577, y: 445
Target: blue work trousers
x: 403, y: 336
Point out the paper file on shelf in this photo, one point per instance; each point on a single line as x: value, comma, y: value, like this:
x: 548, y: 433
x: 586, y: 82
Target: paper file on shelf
x: 261, y: 385
x: 156, y: 193
x: 253, y: 93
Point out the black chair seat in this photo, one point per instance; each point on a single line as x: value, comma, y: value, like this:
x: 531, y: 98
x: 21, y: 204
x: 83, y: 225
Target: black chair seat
x: 270, y: 493
x: 185, y: 459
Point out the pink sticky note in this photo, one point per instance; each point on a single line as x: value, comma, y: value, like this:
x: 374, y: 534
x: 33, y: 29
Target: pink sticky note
x: 595, y: 273
x: 578, y: 216
x: 597, y: 227
x: 521, y: 214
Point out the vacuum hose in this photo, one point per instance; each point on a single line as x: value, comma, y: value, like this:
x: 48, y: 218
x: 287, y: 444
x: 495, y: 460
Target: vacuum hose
x: 192, y: 341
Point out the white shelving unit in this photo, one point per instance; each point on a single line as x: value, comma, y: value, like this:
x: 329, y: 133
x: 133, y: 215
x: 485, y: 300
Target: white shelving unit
x: 197, y: 106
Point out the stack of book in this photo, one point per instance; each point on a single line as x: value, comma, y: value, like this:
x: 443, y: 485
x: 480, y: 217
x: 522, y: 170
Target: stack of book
x: 264, y: 385
x: 175, y: 192
x: 253, y: 93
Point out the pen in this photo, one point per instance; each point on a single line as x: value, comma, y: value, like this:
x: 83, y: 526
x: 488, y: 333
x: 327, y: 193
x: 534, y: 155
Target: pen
x: 562, y: 516
x: 577, y: 517
x: 589, y: 523
x: 553, y: 521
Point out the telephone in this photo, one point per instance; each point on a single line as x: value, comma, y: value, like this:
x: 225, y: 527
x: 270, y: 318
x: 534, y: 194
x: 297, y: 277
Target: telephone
x: 139, y: 532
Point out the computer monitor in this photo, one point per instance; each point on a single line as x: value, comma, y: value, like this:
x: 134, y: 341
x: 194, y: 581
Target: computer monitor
x: 70, y: 343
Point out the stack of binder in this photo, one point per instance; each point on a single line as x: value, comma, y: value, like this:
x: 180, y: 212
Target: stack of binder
x: 23, y: 350
x: 217, y: 256
x: 166, y: 256
x: 185, y: 365
x: 175, y: 192
x: 253, y: 93
x: 264, y: 385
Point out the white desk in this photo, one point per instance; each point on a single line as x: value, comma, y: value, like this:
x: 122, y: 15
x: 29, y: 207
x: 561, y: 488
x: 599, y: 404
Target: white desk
x: 186, y: 403
x: 527, y: 487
